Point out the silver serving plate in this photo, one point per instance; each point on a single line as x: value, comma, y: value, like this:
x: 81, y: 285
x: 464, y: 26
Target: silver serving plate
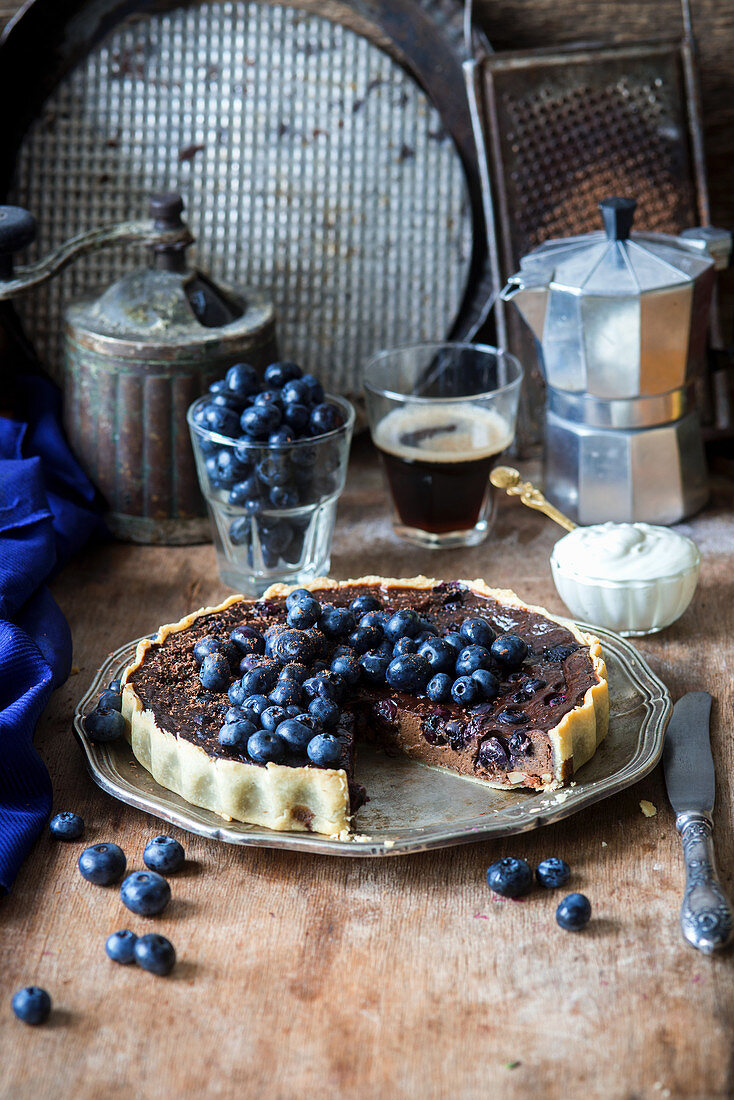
x: 413, y: 807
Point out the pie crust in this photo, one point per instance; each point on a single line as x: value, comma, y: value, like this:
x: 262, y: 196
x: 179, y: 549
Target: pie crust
x: 287, y: 798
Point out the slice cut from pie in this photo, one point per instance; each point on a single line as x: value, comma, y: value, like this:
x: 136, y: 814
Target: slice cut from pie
x: 540, y: 722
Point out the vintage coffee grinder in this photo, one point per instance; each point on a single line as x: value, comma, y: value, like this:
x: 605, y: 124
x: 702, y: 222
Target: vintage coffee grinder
x: 136, y: 357
x: 621, y: 319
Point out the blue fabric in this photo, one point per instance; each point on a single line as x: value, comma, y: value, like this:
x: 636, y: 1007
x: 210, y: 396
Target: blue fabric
x: 47, y: 512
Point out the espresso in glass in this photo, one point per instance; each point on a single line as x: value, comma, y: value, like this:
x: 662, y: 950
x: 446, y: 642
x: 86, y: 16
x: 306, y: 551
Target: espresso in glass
x: 437, y: 458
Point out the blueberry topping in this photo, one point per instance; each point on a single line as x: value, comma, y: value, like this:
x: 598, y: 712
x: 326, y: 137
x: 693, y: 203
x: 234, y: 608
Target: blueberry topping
x: 295, y: 732
x: 509, y: 650
x: 361, y: 605
x: 104, y: 724
x: 164, y: 854
x: 296, y: 596
x: 155, y: 953
x: 111, y: 700
x: 325, y: 711
x: 294, y: 645
x: 511, y: 878
x: 364, y: 638
x: 102, y: 864
x: 439, y: 653
x: 248, y: 640
x: 266, y: 747
x: 305, y: 613
x: 487, y: 683
x: 477, y: 631
x: 408, y: 673
x: 465, y: 691
x: 255, y: 704
x: 348, y: 667
x: 471, y: 658
x: 552, y: 873
x: 294, y: 671
x: 215, y: 674
x: 31, y: 1005
x: 236, y: 693
x: 574, y: 912
x: 438, y: 688
x: 235, y: 735
x: 260, y: 679
x: 271, y: 718
x: 66, y: 825
x: 374, y: 667
x: 286, y: 693
x: 120, y: 946
x: 336, y: 622
x: 404, y: 646
x: 324, y: 749
x: 405, y: 623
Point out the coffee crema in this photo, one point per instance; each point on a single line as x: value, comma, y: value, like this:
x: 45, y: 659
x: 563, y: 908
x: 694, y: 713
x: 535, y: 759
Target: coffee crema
x: 438, y: 459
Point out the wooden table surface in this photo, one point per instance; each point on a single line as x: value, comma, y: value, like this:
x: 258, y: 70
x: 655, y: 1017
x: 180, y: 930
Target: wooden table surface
x: 302, y: 975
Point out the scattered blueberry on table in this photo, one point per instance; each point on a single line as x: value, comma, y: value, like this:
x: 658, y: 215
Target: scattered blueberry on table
x: 509, y: 877
x: 66, y: 825
x: 102, y: 864
x: 552, y: 873
x: 145, y: 893
x: 574, y: 912
x: 120, y: 946
x: 155, y: 953
x: 31, y: 1004
x: 164, y: 854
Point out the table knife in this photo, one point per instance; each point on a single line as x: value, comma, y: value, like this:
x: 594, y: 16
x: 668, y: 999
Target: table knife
x: 706, y: 916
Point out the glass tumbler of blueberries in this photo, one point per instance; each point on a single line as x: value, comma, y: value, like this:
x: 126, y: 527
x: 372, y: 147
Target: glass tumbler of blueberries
x: 272, y: 460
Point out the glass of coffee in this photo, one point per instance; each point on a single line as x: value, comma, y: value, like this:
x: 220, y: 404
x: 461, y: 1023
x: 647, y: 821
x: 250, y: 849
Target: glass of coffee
x: 441, y: 415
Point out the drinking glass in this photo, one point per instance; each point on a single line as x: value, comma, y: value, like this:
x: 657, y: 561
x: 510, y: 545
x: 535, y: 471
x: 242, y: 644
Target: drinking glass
x: 441, y: 415
x: 279, y: 528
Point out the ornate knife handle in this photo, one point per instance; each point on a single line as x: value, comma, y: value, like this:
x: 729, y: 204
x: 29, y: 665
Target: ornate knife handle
x: 706, y: 916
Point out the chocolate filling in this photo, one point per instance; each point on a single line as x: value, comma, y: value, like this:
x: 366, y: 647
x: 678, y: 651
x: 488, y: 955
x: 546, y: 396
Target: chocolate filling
x: 490, y: 739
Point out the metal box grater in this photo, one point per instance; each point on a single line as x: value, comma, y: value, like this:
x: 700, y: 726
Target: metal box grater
x: 310, y: 158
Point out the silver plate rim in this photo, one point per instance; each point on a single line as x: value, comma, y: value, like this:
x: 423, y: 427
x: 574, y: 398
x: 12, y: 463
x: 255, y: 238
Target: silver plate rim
x: 657, y: 708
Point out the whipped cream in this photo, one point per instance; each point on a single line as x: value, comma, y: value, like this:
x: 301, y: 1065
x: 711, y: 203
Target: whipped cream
x: 630, y: 577
x: 625, y: 552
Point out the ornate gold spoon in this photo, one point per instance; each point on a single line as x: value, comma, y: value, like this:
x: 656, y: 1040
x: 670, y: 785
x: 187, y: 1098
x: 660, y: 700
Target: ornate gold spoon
x: 509, y: 479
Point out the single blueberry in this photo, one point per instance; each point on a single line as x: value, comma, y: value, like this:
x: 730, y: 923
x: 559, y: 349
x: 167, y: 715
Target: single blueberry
x: 215, y: 673
x: 245, y: 451
x: 269, y: 397
x: 408, y: 673
x: 286, y: 693
x: 275, y: 536
x: 248, y: 639
x: 104, y: 724
x: 240, y: 531
x: 574, y: 912
x: 405, y: 623
x: 260, y: 680
x: 348, y: 667
x: 294, y: 645
x: 243, y: 379
x: 31, y: 1005
x: 374, y: 618
x: 236, y: 693
x: 362, y: 604
x: 552, y: 873
x: 509, y: 650
x: 477, y: 631
x: 164, y: 854
x: 428, y: 627
x: 220, y: 419
x: 296, y: 596
x: 315, y: 389
x: 325, y: 711
x: 364, y: 638
x: 259, y: 421
x: 465, y: 691
x: 155, y: 953
x: 320, y: 684
x: 102, y: 864
x: 374, y: 667
x: 305, y: 613
x: 294, y: 671
x: 440, y: 655
x: 245, y: 491
x: 277, y: 374
x: 324, y: 418
x: 204, y: 646
x: 404, y: 646
x: 324, y: 749
x: 110, y: 699
x: 296, y: 392
x: 271, y: 718
x: 471, y: 658
x: 115, y: 686
x: 282, y: 436
x: 336, y: 622
x: 235, y: 734
x: 256, y: 704
x: 66, y: 825
x: 511, y: 878
x: 266, y: 747
x: 487, y: 682
x: 273, y: 470
x: 423, y: 636
x: 455, y: 640
x: 439, y: 687
x: 145, y: 893
x: 295, y: 732
x: 120, y: 946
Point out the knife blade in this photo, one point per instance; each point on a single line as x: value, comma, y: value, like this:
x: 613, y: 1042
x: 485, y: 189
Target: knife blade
x: 706, y: 916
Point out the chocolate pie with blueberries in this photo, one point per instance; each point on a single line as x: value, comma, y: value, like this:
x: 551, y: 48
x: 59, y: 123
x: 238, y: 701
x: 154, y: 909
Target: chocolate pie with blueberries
x: 254, y: 709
